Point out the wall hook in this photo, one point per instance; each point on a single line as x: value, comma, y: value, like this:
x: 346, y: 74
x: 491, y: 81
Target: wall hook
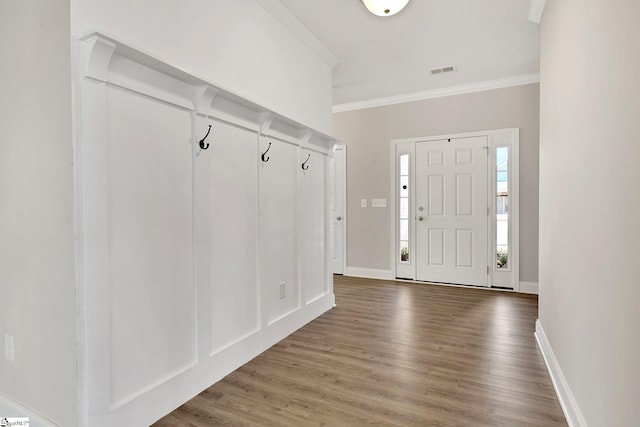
x: 264, y: 155
x: 202, y: 144
x: 304, y: 167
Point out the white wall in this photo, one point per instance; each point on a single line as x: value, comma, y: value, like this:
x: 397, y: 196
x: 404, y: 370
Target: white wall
x: 236, y: 44
x: 368, y: 133
x: 590, y: 204
x: 37, y: 290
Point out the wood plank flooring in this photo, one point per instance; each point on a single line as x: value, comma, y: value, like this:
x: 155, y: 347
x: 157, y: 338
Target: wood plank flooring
x: 394, y: 354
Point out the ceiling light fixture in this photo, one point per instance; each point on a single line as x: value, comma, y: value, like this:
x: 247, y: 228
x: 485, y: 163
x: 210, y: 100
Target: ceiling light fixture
x: 384, y: 7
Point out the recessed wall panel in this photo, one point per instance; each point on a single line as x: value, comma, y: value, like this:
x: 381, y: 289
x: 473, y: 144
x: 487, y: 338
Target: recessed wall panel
x: 464, y: 156
x: 435, y: 158
x: 278, y: 226
x: 333, y: 184
x: 149, y: 181
x: 233, y: 232
x: 435, y: 196
x: 334, y: 241
x: 464, y: 248
x: 313, y: 270
x: 436, y: 246
x: 464, y: 194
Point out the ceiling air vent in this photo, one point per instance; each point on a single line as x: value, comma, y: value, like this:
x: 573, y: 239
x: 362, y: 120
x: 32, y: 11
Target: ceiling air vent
x: 447, y: 69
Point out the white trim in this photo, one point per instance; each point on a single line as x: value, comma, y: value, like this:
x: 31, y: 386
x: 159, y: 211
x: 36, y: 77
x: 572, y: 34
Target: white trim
x: 368, y: 273
x: 344, y: 204
x: 529, y: 288
x: 455, y: 135
x: 291, y: 23
x: 536, y: 9
x: 96, y: 53
x: 497, y: 275
x: 342, y: 166
x: 80, y: 315
x: 570, y: 407
x: 526, y: 79
x: 452, y: 285
x: 11, y: 408
x: 393, y: 205
x: 396, y: 151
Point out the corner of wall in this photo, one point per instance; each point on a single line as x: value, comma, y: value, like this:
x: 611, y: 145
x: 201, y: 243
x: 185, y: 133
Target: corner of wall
x: 529, y: 288
x: 567, y: 400
x: 37, y: 213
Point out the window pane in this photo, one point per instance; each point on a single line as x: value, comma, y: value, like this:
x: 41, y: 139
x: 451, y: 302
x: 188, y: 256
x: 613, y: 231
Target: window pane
x: 404, y: 186
x: 502, y: 241
x: 404, y: 164
x: 502, y: 169
x: 404, y: 229
x: 502, y: 207
x: 404, y: 251
x: 404, y: 208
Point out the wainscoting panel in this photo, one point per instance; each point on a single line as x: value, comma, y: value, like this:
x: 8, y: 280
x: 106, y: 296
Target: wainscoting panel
x: 190, y: 242
x: 150, y: 260
x: 313, y: 217
x: 227, y: 203
x: 278, y: 230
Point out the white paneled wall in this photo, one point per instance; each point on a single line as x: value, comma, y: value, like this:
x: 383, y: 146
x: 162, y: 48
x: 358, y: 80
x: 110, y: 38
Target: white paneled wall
x: 313, y: 225
x: 149, y: 248
x: 228, y: 230
x: 196, y: 256
x: 278, y: 230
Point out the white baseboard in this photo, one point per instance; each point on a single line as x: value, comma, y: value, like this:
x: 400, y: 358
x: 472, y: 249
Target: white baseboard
x: 10, y: 408
x: 570, y: 407
x: 368, y: 273
x: 529, y: 288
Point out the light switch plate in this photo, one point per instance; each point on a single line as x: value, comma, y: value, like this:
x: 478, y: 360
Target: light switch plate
x: 378, y: 203
x: 363, y: 203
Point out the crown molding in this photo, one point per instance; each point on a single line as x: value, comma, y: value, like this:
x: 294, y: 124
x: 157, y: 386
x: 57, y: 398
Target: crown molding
x: 536, y: 8
x: 291, y: 23
x: 439, y: 93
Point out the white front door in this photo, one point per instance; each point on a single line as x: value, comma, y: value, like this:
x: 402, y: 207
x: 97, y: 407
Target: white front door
x: 451, y: 211
x: 337, y: 168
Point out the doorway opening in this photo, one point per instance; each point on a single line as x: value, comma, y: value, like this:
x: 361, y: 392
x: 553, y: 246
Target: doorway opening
x: 455, y: 208
x: 337, y: 206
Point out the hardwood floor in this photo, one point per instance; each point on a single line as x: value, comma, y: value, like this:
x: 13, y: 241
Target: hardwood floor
x: 393, y: 353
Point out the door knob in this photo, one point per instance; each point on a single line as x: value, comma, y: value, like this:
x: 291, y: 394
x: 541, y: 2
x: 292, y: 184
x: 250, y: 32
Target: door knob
x: 420, y: 218
x: 338, y: 218
x: 420, y: 208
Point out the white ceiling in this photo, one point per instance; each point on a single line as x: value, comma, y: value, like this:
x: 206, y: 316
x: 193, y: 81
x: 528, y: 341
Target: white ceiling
x: 486, y: 40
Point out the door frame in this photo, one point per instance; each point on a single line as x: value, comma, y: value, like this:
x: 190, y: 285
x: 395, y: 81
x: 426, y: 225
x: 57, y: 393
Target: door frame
x: 343, y: 170
x: 495, y: 138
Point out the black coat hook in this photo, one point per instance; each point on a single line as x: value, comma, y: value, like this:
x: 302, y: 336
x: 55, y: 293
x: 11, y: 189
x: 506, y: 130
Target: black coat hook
x: 202, y: 144
x: 304, y: 167
x: 264, y: 155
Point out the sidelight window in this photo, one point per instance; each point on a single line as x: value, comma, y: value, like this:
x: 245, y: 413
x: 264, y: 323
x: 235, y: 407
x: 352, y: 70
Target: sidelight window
x: 403, y: 211
x: 502, y: 207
